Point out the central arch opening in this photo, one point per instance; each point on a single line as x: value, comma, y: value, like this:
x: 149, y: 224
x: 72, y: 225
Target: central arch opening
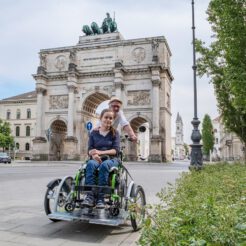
x: 93, y: 101
x: 91, y: 109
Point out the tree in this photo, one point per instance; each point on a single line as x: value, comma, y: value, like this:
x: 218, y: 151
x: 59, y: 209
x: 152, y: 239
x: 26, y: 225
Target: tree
x: 207, y: 135
x: 224, y: 61
x: 186, y: 147
x: 6, y: 139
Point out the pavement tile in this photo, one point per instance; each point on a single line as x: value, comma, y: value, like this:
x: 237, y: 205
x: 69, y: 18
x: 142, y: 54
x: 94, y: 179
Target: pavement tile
x: 7, y: 236
x: 35, y: 230
x: 4, y: 226
x: 36, y: 241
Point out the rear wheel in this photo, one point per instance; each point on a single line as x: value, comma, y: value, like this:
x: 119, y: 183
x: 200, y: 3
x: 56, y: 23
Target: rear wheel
x: 137, y: 207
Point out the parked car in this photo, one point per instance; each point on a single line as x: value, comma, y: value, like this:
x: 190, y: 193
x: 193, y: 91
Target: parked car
x: 4, y: 158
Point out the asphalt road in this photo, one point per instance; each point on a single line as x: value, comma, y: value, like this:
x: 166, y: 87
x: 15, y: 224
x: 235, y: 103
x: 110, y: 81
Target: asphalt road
x: 22, y: 217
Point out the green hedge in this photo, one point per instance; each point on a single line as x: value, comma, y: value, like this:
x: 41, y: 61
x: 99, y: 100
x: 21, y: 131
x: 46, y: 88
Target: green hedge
x: 205, y: 207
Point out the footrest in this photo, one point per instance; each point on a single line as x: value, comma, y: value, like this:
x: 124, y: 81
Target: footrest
x: 95, y: 188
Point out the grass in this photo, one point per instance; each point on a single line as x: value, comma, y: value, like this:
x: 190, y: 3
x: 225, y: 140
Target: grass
x: 205, y: 207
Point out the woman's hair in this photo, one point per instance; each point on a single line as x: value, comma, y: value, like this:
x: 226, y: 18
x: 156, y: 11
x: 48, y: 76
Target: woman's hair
x: 112, y: 130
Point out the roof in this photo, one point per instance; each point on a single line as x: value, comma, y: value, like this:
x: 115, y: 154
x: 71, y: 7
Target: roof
x: 24, y: 96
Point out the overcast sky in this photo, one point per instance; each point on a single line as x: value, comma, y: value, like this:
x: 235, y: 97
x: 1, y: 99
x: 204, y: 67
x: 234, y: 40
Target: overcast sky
x: 28, y: 26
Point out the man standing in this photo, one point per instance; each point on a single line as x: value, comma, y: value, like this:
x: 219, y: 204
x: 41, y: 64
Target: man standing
x: 115, y: 104
x: 119, y: 118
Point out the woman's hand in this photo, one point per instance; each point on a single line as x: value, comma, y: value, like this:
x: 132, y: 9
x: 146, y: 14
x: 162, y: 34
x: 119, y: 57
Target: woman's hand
x: 95, y: 152
x: 97, y: 158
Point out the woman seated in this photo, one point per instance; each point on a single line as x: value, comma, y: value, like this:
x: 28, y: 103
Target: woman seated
x: 105, y: 141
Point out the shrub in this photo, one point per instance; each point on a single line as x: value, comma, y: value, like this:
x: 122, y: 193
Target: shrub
x: 203, y: 208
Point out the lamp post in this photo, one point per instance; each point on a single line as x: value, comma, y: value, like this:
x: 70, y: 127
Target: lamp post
x: 196, y: 150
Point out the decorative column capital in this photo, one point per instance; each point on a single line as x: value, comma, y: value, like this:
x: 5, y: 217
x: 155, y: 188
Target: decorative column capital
x: 119, y: 86
x: 156, y: 82
x: 40, y: 90
x: 72, y: 85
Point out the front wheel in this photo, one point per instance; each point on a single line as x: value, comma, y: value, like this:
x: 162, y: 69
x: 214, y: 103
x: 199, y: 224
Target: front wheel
x: 57, y: 195
x: 137, y: 207
x: 49, y: 198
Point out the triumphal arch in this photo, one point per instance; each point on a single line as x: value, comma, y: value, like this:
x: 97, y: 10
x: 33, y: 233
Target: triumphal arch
x: 72, y: 81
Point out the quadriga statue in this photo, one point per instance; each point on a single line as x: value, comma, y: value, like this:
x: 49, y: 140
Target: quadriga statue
x: 95, y: 28
x: 86, y: 29
x: 108, y: 25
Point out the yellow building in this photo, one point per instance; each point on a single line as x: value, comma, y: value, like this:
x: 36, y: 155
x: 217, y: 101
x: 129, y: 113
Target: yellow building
x: 20, y: 112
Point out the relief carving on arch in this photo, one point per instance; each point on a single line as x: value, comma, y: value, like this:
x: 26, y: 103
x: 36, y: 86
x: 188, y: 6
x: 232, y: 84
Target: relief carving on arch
x: 59, y: 102
x: 60, y: 62
x: 138, y: 54
x: 138, y: 98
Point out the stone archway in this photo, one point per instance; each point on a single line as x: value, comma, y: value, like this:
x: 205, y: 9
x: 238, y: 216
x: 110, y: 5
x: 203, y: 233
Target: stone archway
x: 89, y: 106
x: 56, y: 148
x: 136, y: 152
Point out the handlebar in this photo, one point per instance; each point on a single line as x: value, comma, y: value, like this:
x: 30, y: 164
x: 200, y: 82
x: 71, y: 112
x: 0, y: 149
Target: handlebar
x: 128, y: 138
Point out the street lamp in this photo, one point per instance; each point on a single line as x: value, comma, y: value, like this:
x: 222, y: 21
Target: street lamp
x: 196, y: 147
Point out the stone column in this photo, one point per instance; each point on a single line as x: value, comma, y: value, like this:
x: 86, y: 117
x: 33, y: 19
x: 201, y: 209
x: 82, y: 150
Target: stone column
x: 40, y: 147
x: 155, y: 139
x: 71, y: 151
x: 70, y: 132
x: 40, y: 102
x: 118, y: 78
x: 156, y: 102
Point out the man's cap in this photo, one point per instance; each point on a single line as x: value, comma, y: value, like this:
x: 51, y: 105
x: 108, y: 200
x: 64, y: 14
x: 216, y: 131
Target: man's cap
x: 115, y: 99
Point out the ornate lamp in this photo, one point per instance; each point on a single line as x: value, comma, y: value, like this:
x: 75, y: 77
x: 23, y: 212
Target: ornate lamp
x: 196, y: 147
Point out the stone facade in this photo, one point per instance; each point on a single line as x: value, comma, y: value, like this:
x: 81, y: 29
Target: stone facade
x: 20, y: 112
x: 231, y: 148
x: 72, y: 81
x: 216, y: 155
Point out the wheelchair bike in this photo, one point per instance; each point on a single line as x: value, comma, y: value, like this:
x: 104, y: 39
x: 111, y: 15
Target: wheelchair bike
x: 124, y: 200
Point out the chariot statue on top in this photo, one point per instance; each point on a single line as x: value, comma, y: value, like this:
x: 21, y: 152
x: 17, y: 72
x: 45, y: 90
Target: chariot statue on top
x: 108, y: 26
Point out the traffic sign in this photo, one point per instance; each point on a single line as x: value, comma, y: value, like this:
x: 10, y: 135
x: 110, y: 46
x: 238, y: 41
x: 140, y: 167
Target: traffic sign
x: 88, y: 125
x: 48, y: 133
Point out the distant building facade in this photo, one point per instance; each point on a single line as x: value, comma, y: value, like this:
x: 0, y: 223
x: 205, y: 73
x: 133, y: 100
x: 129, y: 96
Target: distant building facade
x: 228, y: 146
x: 216, y: 155
x: 20, y: 112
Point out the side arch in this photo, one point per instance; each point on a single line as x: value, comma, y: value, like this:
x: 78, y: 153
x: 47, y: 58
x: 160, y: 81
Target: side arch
x: 144, y: 117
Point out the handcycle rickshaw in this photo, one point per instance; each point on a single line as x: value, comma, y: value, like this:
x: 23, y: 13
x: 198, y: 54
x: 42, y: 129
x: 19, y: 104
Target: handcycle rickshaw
x: 124, y: 199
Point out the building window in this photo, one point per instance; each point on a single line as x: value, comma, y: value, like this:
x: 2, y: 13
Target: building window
x: 18, y: 114
x: 27, y: 146
x: 28, y: 113
x: 17, y: 146
x: 8, y: 115
x: 17, y: 131
x: 28, y: 131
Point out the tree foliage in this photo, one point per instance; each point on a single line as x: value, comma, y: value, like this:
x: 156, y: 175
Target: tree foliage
x: 207, y: 135
x: 186, y: 147
x: 224, y: 61
x: 6, y: 139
